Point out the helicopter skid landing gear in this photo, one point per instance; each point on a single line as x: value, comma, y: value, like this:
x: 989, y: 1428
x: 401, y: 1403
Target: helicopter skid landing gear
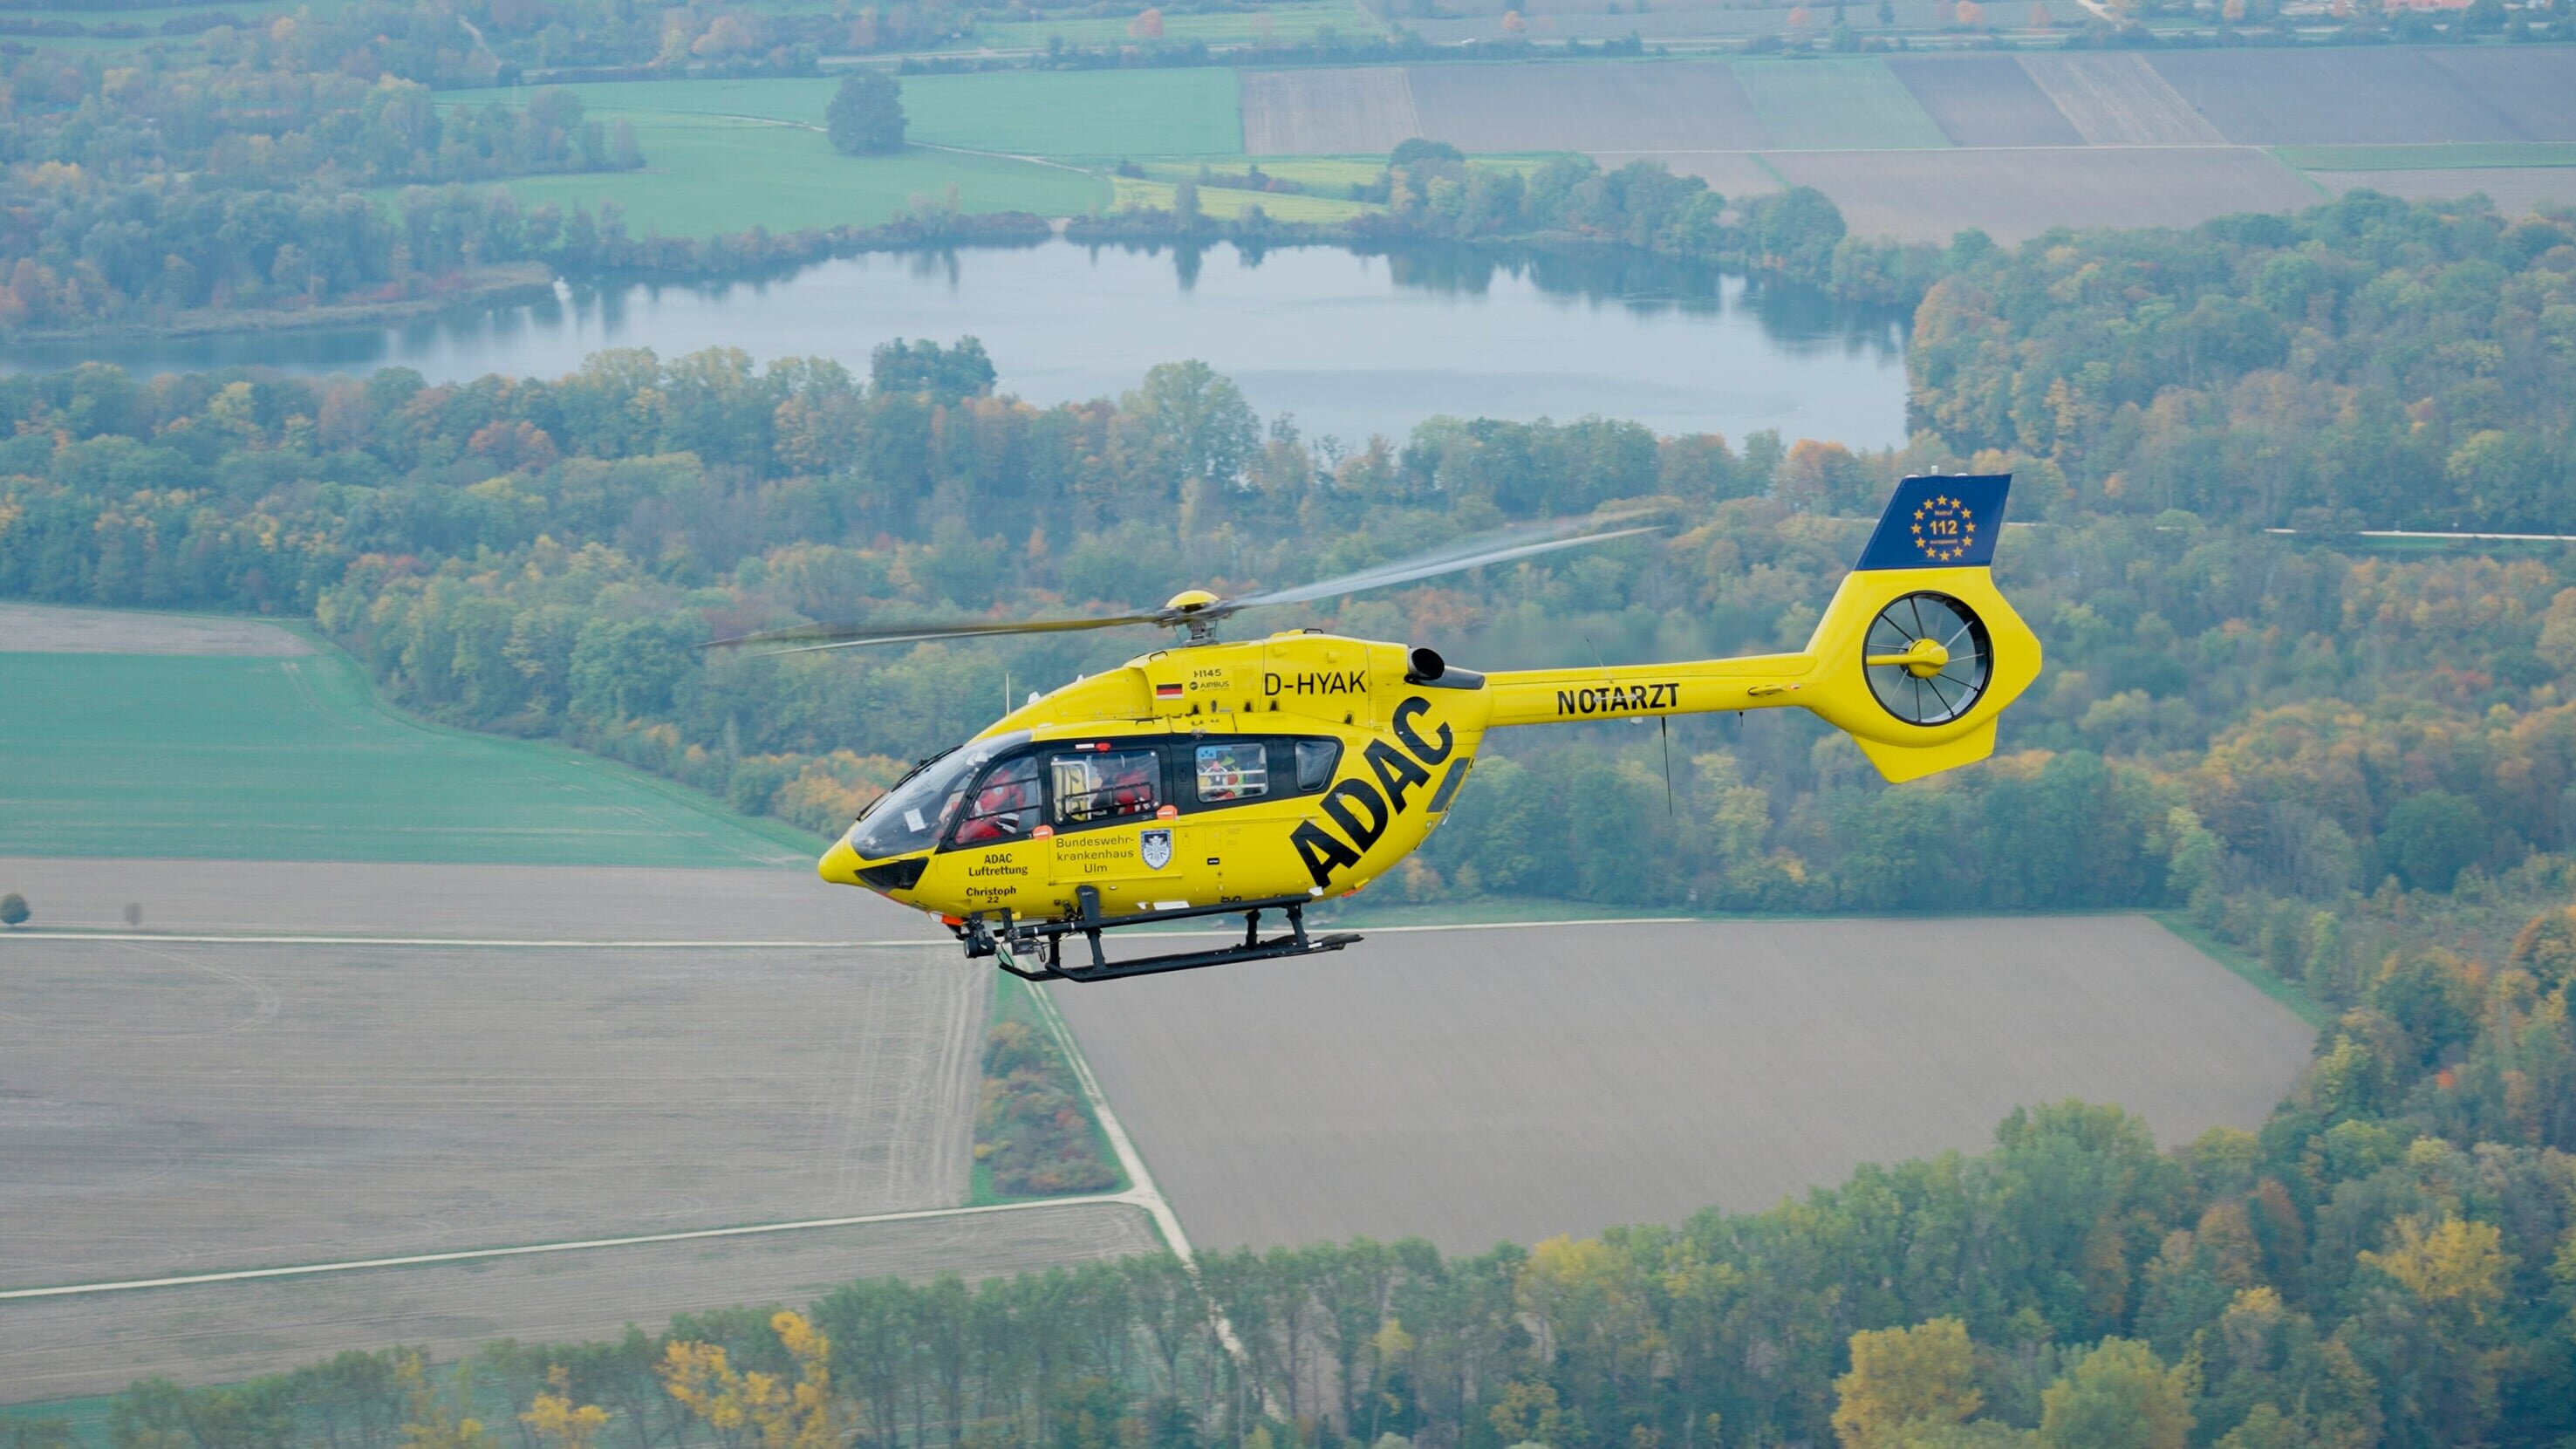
x: 1034, y: 950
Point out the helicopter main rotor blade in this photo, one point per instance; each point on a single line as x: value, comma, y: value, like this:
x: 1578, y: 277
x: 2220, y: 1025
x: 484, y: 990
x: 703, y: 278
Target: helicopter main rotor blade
x: 1502, y: 547
x: 805, y: 639
x: 1423, y: 566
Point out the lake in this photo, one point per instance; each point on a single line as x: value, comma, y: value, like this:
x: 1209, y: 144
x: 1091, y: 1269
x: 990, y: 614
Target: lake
x: 1351, y: 343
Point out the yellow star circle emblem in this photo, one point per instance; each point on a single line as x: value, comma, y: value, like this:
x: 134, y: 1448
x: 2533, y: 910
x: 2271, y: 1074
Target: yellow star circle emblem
x: 1943, y: 528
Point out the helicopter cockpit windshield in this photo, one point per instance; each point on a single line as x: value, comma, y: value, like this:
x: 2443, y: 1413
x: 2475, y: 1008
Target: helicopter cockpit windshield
x: 913, y: 814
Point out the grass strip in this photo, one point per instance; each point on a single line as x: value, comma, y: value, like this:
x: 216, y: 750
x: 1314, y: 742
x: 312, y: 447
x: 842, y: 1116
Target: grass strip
x: 2441, y: 156
x: 1024, y: 1039
x: 2257, y: 975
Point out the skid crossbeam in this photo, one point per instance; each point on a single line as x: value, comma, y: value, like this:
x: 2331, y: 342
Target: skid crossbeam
x: 1034, y: 950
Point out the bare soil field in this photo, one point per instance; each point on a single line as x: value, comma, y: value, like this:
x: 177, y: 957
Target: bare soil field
x: 2353, y: 96
x: 1647, y: 106
x: 2016, y: 195
x: 1470, y: 1086
x: 1361, y: 112
x: 2534, y: 87
x: 464, y: 902
x: 2514, y: 189
x: 191, y: 1108
x: 53, y: 1348
x: 1984, y: 100
x: 2116, y: 100
x: 1836, y: 105
x: 50, y: 629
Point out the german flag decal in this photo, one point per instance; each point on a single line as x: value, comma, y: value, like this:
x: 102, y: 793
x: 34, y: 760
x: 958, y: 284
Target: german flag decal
x: 1167, y: 691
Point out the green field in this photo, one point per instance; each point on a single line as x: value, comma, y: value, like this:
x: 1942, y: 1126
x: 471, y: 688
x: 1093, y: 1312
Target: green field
x: 2428, y: 158
x: 1837, y: 105
x: 1329, y: 204
x: 1111, y: 113
x: 722, y: 156
x: 293, y: 759
x: 1192, y: 112
x: 706, y: 175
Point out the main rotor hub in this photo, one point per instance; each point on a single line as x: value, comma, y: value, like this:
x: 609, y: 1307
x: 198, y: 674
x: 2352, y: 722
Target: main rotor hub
x: 1190, y: 605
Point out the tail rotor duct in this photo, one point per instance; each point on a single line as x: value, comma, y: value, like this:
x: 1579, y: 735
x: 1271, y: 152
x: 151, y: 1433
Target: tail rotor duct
x: 1927, y: 658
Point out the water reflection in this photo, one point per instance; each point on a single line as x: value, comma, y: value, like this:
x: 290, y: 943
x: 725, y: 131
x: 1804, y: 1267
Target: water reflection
x: 1351, y: 341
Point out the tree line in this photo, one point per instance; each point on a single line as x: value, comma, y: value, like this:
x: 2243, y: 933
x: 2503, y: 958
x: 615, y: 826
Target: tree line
x: 1569, y: 205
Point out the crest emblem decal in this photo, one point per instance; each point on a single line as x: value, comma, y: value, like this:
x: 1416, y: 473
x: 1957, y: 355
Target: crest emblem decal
x: 1944, y: 528
x: 1156, y: 846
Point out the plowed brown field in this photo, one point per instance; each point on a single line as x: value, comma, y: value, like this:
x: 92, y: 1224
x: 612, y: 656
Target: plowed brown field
x: 1475, y: 1085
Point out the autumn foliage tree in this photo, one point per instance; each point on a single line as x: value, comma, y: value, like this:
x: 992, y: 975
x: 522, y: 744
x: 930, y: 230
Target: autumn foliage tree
x: 558, y: 1421
x: 760, y: 1410
x: 436, y: 1420
x: 1905, y: 1383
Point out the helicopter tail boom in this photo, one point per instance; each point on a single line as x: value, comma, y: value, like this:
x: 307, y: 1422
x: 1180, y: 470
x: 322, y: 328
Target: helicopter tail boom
x: 1914, y: 658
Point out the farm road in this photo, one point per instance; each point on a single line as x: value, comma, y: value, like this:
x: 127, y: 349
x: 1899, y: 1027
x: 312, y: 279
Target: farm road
x: 217, y: 1333
x: 465, y: 902
x: 1474, y: 1086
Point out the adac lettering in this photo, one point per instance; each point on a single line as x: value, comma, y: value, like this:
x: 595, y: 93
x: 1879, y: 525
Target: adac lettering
x: 1350, y: 681
x: 1618, y: 699
x: 1365, y: 806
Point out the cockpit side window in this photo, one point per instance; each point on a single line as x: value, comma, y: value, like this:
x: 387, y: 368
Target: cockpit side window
x: 1005, y: 805
x: 1093, y: 787
x: 917, y: 812
x: 1231, y: 773
x: 1316, y: 760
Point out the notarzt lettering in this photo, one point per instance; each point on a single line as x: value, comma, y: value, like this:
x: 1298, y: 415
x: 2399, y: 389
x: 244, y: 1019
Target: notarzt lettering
x: 1354, y: 681
x: 1618, y: 699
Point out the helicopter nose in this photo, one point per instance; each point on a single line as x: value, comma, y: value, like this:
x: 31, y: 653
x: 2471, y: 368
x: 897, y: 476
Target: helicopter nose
x: 839, y: 865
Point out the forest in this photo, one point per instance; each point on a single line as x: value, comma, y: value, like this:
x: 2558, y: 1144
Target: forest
x: 2352, y: 763
x: 2228, y: 710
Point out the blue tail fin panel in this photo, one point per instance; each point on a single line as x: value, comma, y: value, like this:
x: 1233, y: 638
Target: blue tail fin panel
x: 1939, y: 522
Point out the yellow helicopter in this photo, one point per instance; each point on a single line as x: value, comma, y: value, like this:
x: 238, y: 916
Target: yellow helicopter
x: 1215, y: 778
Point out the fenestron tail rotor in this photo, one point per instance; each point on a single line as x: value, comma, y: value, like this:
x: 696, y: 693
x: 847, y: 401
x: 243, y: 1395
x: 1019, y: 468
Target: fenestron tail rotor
x: 1198, y: 611
x: 1927, y: 658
